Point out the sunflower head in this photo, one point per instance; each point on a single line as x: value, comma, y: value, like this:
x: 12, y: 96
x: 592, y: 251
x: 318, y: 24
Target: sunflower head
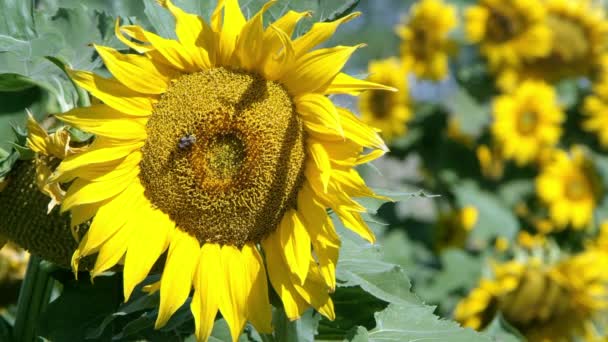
x: 527, y: 121
x: 508, y: 32
x: 543, y: 301
x: 453, y: 228
x: 222, y: 150
x: 425, y: 45
x: 569, y: 186
x: 578, y: 43
x: 387, y: 111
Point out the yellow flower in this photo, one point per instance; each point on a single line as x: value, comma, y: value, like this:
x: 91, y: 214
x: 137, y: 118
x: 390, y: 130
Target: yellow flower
x: 215, y: 147
x: 579, y: 30
x: 508, y: 31
x: 425, y: 45
x: 527, y: 122
x: 568, y: 186
x: 545, y: 302
x: 453, y: 228
x: 596, y: 107
x: 529, y: 241
x: 387, y: 111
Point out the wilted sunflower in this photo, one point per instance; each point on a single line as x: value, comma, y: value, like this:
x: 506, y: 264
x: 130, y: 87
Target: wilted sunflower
x: 387, y: 111
x: 568, y: 185
x: 527, y: 121
x: 545, y: 302
x: 425, y: 45
x: 222, y: 148
x: 579, y: 30
x: 508, y: 31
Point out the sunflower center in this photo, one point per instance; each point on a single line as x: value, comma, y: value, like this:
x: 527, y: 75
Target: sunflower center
x: 571, y: 41
x: 380, y: 102
x: 527, y: 122
x: 224, y: 155
x: 576, y: 189
x: 502, y: 25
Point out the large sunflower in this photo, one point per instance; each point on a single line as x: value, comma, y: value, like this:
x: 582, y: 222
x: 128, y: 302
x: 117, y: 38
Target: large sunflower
x: 425, y: 45
x: 568, y: 185
x: 222, y: 148
x: 545, y: 302
x: 527, y: 121
x: 387, y: 111
x: 508, y: 32
x: 579, y: 30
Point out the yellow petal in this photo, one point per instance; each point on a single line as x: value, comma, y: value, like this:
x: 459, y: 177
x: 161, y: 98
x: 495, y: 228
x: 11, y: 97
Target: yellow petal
x: 275, y: 64
x: 279, y: 275
x: 82, y: 213
x: 373, y: 155
x: 102, y: 172
x: 110, y: 217
x: 172, y: 51
x: 98, y: 154
x: 177, y: 277
x: 358, y: 132
x: 315, y: 293
x: 207, y: 287
x: 318, y: 112
x: 321, y: 159
x: 194, y: 33
x: 317, y: 69
x: 112, y: 250
x: 258, y: 307
x: 286, y: 24
x: 231, y: 27
x: 103, y: 120
x: 295, y: 243
x: 113, y: 93
x: 133, y: 32
x: 250, y: 44
x: 83, y: 191
x: 137, y: 72
x: 319, y: 32
x: 346, y: 84
x: 237, y: 289
x: 152, y: 235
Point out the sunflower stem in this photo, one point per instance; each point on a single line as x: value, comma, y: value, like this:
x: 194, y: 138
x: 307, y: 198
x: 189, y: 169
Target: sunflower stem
x: 33, y: 299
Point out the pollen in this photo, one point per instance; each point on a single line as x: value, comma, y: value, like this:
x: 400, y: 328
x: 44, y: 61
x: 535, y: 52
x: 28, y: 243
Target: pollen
x: 224, y: 155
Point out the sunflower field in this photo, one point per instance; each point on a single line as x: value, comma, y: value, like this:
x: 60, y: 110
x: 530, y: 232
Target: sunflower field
x: 303, y: 170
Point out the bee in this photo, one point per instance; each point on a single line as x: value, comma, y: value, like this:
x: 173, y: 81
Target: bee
x: 186, y: 141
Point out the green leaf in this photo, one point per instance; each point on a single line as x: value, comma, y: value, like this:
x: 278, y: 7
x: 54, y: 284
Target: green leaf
x: 501, y: 331
x: 414, y: 323
x: 495, y: 218
x: 16, y: 18
x: 471, y: 115
x: 303, y: 329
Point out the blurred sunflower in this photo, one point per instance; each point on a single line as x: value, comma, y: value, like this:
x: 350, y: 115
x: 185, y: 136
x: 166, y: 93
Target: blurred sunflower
x: 579, y: 30
x: 425, y: 45
x: 491, y: 161
x: 387, y: 111
x: 527, y: 121
x: 222, y: 148
x: 508, y: 31
x: 13, y: 263
x: 453, y: 228
x: 568, y: 185
x: 545, y: 302
x: 596, y: 109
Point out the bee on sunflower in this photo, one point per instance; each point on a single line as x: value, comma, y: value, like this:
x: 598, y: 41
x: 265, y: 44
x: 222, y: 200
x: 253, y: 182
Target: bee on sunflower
x: 222, y: 149
x: 545, y: 301
x: 425, y: 42
x: 387, y: 111
x: 508, y: 32
x: 569, y: 186
x: 527, y: 121
x: 578, y: 43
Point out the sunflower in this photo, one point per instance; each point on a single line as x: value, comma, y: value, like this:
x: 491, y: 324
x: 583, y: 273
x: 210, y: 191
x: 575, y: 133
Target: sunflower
x: 527, y: 121
x: 387, y: 111
x: 221, y: 148
x: 545, y: 302
x: 568, y: 185
x: 595, y: 108
x: 425, y: 44
x: 453, y: 228
x: 579, y: 30
x: 491, y: 161
x: 508, y: 31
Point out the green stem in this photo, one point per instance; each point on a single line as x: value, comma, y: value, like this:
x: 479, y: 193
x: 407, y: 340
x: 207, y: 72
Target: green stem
x: 33, y: 299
